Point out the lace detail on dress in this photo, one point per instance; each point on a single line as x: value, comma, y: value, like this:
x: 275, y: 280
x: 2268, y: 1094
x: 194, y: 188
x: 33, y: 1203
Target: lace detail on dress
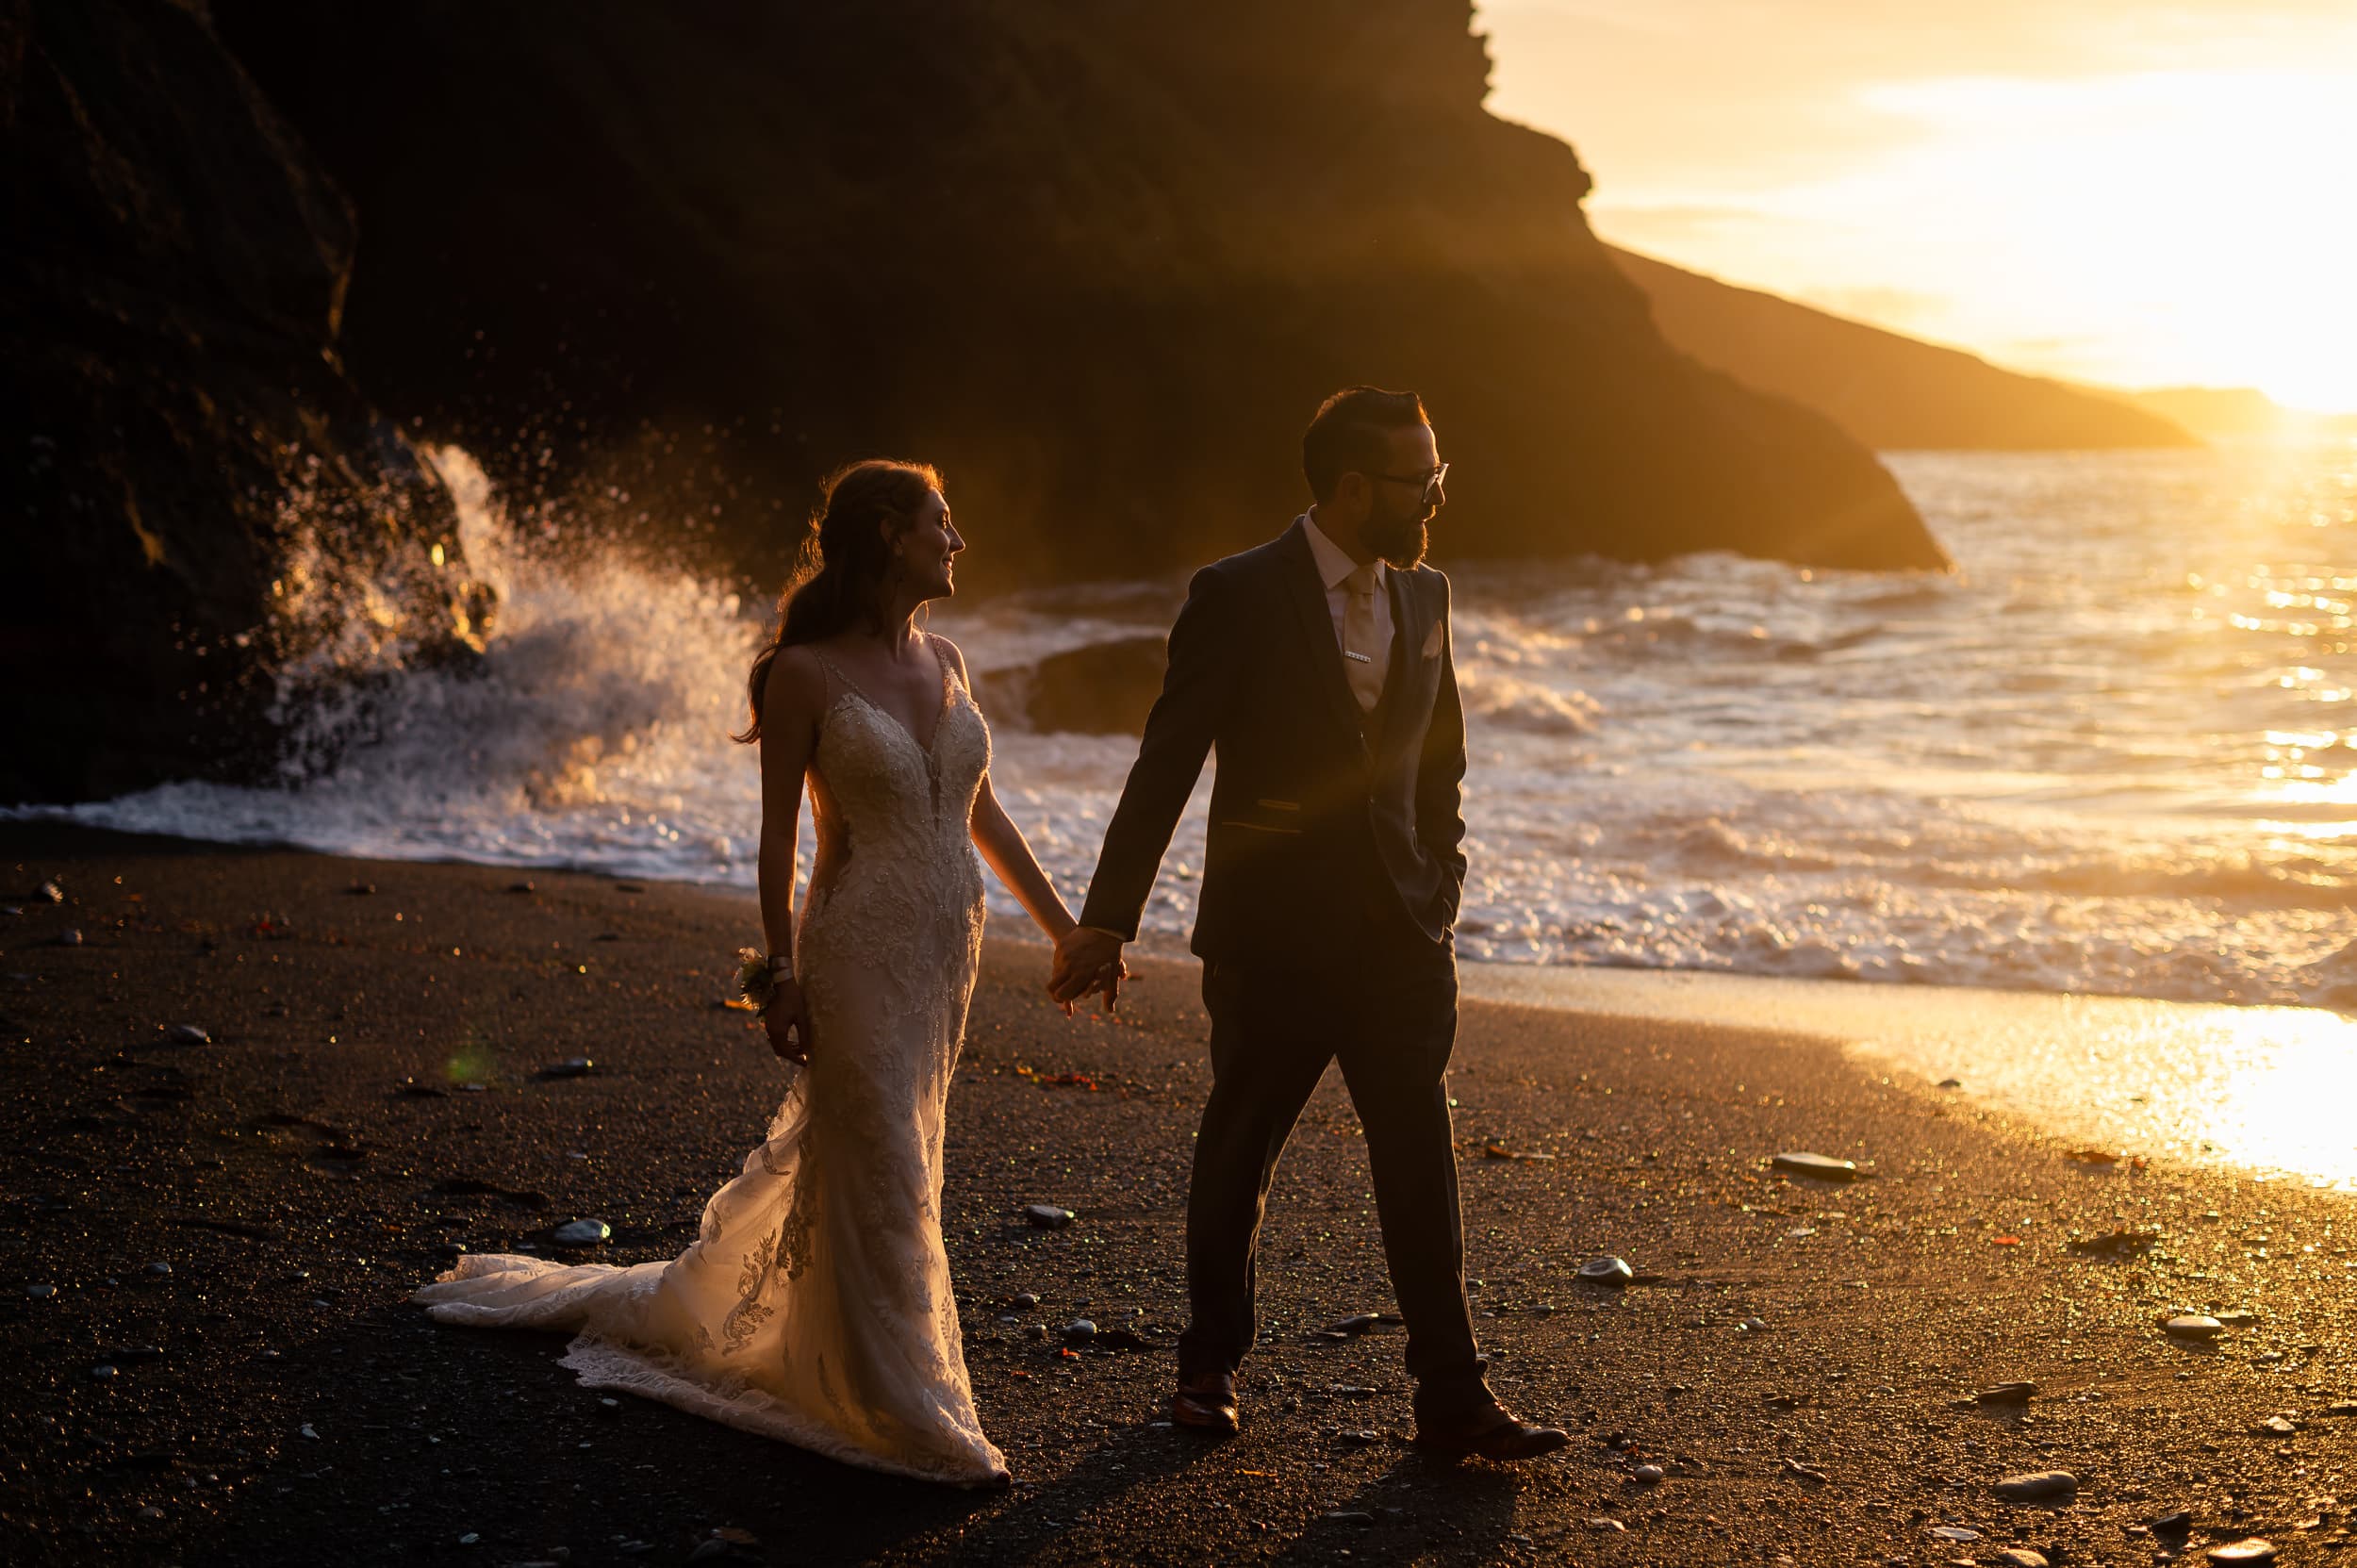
x: 816, y: 1304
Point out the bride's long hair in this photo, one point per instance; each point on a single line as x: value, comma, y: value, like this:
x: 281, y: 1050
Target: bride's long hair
x: 843, y: 577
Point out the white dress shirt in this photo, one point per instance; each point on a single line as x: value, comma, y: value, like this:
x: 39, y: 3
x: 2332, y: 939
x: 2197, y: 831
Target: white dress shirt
x: 1334, y: 569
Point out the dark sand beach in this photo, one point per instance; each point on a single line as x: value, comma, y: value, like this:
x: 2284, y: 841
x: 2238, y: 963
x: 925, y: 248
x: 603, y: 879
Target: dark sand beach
x: 372, y: 1089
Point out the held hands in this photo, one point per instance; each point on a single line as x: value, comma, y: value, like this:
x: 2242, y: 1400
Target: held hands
x: 1087, y: 962
x: 788, y: 1022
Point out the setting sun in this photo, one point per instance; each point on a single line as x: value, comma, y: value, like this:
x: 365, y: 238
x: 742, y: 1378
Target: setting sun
x: 2163, y: 207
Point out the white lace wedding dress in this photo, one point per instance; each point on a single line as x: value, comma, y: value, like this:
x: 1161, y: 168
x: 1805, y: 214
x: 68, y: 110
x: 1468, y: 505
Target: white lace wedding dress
x: 815, y: 1304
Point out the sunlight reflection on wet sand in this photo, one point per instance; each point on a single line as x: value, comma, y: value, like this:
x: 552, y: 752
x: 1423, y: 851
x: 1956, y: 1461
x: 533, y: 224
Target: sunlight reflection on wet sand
x: 2270, y: 1089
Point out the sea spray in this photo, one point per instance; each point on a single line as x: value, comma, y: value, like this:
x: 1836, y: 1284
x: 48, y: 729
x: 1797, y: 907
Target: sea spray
x: 2110, y: 755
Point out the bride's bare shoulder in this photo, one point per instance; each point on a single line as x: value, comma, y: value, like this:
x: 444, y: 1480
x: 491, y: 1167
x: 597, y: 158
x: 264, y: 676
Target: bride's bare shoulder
x: 797, y: 680
x: 951, y: 652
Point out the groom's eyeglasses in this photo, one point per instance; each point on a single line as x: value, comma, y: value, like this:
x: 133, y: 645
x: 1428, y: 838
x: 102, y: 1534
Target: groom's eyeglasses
x: 1429, y: 483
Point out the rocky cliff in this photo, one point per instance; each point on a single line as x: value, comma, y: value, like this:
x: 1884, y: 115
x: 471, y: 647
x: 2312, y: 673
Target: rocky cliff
x: 1098, y: 262
x: 1886, y: 389
x: 191, y: 482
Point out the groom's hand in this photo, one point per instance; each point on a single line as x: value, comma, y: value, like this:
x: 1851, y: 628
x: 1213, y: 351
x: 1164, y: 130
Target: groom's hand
x: 1086, y: 960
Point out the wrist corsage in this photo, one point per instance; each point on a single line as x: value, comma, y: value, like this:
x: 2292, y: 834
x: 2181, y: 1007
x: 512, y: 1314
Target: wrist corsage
x: 757, y: 977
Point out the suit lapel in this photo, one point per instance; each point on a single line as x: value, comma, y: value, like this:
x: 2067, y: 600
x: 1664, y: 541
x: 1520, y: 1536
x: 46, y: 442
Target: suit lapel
x: 1316, y: 624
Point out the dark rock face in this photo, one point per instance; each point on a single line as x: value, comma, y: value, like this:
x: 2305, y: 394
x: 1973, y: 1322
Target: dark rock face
x: 1886, y: 389
x: 191, y: 479
x: 1105, y: 688
x: 1101, y: 262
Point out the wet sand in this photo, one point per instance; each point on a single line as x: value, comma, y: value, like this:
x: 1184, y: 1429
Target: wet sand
x: 371, y: 1090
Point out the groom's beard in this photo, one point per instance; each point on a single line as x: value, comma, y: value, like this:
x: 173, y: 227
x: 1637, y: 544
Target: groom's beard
x: 1400, y: 541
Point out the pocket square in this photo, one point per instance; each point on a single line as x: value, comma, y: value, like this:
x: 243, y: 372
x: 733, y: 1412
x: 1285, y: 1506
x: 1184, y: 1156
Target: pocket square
x: 1432, y: 640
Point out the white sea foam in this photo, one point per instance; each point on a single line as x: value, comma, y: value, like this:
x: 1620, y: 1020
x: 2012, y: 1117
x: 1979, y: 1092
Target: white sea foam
x: 2114, y: 754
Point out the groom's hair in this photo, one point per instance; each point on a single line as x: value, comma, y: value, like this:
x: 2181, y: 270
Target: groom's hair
x: 1351, y: 435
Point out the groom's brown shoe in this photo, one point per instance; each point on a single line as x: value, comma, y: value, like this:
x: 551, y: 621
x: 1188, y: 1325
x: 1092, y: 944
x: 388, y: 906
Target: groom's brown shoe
x: 1206, y: 1401
x: 1494, y: 1434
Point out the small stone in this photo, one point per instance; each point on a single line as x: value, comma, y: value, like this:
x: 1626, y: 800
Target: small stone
x: 1607, y: 1527
x: 188, y: 1035
x: 469, y: 1539
x: 1358, y: 1322
x: 68, y: 939
x: 572, y: 1067
x: 157, y: 1270
x: 151, y: 1512
x: 582, y: 1232
x: 310, y: 1433
x: 1753, y: 1326
x: 2019, y: 1557
x: 361, y: 889
x: 1952, y: 1082
x: 520, y: 887
x: 1046, y: 1216
x: 2043, y: 1486
x: 1078, y: 1332
x: 2180, y: 1523
x: 1955, y: 1532
x: 1614, y: 1272
x: 103, y: 1373
x: 1823, y: 1166
x: 2343, y: 1406
x: 2005, y: 1394
x: 1024, y: 1301
x: 1036, y: 1331
x: 2192, y: 1325
x: 2248, y: 1549
x: 2276, y: 1425
x: 1359, y: 1437
x: 1356, y: 1518
x: 52, y: 893
x: 1647, y: 1475
x: 40, y: 1292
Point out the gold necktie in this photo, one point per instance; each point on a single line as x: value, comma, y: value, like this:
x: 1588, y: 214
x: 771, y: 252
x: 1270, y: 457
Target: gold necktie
x: 1362, y: 659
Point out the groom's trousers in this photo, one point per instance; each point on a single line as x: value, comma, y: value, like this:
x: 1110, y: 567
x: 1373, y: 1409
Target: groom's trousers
x: 1386, y: 1007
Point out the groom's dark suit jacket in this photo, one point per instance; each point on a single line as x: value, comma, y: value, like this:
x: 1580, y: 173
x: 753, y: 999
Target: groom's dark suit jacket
x: 1319, y: 813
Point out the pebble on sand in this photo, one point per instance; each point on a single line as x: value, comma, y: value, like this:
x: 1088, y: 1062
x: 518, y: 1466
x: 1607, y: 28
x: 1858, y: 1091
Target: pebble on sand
x: 2005, y: 1394
x: 40, y: 1292
x: 2019, y: 1557
x: 51, y: 892
x: 1647, y: 1475
x: 1048, y: 1216
x: 2043, y: 1486
x: 582, y: 1232
x: 2192, y: 1325
x: 1078, y: 1332
x: 1823, y: 1166
x: 188, y: 1035
x: 157, y: 1270
x: 2276, y: 1425
x: 1955, y: 1532
x: 68, y: 939
x: 1614, y: 1272
x: 572, y: 1067
x: 2250, y: 1549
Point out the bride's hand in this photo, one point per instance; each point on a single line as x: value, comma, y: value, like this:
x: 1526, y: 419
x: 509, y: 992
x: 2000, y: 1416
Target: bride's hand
x: 788, y: 1022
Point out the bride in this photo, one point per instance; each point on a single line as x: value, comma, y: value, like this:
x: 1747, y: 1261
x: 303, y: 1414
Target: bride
x: 814, y: 1305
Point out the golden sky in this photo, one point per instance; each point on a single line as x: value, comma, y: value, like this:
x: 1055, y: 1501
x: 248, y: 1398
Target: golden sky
x: 2126, y: 191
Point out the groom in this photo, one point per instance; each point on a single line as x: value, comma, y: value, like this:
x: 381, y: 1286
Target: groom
x: 1318, y: 665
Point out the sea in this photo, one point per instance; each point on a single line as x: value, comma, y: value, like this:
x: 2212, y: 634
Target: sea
x: 2114, y: 752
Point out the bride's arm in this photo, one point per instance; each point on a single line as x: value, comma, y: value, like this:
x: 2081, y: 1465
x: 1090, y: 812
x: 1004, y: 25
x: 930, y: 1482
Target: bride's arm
x: 1004, y: 847
x: 793, y: 698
